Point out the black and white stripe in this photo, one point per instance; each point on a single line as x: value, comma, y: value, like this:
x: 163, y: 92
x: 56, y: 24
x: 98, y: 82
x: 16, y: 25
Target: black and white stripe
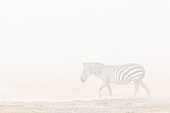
x: 122, y: 74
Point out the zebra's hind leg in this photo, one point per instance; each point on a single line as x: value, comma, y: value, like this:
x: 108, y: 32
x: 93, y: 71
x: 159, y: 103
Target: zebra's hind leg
x: 145, y: 87
x: 136, y: 89
x: 100, y: 90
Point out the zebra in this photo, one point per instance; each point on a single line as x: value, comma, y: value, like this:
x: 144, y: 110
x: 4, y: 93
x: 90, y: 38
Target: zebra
x: 116, y: 74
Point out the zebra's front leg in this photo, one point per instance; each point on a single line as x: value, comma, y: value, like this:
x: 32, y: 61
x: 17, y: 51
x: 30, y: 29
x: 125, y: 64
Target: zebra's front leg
x: 110, y: 90
x: 100, y: 90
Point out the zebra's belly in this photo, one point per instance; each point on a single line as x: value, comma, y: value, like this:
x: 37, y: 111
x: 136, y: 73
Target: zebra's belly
x: 122, y: 83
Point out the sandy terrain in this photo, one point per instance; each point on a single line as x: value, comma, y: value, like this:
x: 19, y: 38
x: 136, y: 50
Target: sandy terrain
x: 95, y: 106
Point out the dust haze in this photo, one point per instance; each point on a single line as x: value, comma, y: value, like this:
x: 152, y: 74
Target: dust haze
x: 44, y: 43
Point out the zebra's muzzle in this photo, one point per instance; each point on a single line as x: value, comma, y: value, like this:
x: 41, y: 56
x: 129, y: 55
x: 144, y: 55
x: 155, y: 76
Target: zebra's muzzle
x: 83, y: 80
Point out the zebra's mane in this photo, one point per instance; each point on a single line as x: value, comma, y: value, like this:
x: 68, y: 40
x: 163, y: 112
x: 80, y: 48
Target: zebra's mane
x: 95, y: 68
x: 88, y: 64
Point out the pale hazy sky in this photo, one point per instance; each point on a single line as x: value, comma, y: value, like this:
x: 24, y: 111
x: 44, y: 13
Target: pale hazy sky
x: 64, y: 33
x: 38, y: 31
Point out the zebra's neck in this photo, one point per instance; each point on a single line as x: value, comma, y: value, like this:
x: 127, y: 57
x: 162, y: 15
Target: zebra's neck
x: 96, y: 69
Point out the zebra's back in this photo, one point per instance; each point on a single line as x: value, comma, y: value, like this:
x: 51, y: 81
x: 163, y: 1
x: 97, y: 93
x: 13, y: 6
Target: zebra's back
x: 124, y: 74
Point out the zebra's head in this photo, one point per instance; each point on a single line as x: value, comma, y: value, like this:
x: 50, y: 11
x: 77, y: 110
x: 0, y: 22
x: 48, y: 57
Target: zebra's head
x: 93, y: 68
x: 86, y: 72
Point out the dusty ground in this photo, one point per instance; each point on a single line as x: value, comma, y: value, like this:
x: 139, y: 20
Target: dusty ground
x: 95, y: 106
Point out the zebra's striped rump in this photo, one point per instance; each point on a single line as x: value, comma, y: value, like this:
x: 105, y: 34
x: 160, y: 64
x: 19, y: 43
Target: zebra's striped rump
x: 128, y: 73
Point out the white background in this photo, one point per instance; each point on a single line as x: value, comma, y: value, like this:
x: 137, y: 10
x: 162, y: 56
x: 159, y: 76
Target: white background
x: 43, y: 44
